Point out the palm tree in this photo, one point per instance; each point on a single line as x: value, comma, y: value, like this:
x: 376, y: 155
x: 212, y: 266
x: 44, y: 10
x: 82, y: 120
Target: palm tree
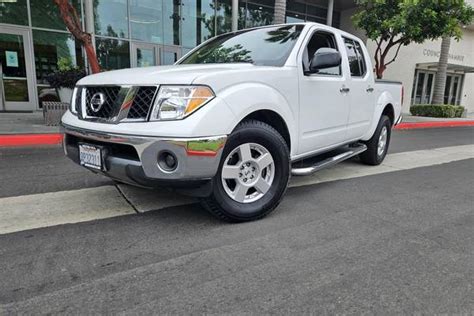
x: 280, y: 11
x: 440, y: 79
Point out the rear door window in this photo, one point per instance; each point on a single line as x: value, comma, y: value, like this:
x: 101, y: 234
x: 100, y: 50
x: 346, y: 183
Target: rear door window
x: 356, y: 58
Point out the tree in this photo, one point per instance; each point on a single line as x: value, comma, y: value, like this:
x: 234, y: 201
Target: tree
x: 396, y: 23
x: 73, y: 24
x: 280, y: 11
x: 440, y: 78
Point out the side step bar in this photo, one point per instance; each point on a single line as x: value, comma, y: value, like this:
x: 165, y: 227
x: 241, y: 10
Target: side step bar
x: 329, y: 162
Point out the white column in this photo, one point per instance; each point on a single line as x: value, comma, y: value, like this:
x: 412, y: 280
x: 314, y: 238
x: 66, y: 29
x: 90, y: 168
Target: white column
x: 235, y: 15
x: 330, y: 12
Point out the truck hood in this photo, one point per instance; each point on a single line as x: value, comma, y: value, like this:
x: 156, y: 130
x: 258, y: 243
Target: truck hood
x: 174, y: 74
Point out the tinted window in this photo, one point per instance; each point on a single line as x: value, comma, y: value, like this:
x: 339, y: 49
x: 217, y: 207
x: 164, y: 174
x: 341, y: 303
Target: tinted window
x: 356, y: 58
x: 269, y: 46
x: 320, y: 40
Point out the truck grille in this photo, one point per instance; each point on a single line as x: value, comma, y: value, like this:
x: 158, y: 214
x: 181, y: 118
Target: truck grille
x: 109, y: 108
x: 113, y: 104
x: 142, y: 103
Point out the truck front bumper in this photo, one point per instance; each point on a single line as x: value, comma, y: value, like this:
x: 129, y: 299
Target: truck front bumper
x: 136, y: 159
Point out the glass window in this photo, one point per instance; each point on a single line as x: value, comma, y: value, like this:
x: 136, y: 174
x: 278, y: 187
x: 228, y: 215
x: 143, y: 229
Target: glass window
x: 146, y: 20
x: 258, y: 15
x: 268, y: 46
x: 294, y: 17
x: 317, y: 11
x: 53, y: 47
x: 296, y: 7
x: 447, y: 89
x: 224, y: 16
x: 112, y: 53
x: 169, y: 57
x: 13, y: 12
x: 46, y: 14
x: 355, y: 60
x: 427, y: 93
x: 419, y: 88
x: 320, y: 40
x: 171, y: 22
x: 197, y: 21
x: 360, y: 55
x: 110, y: 18
x: 12, y: 57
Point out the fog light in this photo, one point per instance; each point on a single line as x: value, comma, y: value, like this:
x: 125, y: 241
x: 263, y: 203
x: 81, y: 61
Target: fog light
x: 167, y: 161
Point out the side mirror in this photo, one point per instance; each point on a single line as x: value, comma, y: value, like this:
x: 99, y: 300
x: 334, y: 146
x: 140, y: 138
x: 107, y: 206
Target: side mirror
x: 325, y: 58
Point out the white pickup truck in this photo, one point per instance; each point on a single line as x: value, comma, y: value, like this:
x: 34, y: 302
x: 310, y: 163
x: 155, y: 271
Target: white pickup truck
x: 234, y: 118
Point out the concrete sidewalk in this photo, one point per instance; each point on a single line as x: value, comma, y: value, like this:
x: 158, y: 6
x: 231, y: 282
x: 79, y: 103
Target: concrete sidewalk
x: 25, y: 123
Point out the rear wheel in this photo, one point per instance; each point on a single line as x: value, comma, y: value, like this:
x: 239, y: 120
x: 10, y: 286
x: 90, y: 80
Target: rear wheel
x: 377, y: 146
x: 253, y: 174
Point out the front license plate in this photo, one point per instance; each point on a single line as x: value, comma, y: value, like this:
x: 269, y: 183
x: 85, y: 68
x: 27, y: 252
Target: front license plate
x: 90, y: 156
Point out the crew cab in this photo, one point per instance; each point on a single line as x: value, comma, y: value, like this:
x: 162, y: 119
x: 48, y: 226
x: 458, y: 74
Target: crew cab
x: 233, y: 119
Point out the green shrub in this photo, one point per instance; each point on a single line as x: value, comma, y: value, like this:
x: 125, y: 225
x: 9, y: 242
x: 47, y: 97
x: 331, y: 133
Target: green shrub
x: 433, y: 110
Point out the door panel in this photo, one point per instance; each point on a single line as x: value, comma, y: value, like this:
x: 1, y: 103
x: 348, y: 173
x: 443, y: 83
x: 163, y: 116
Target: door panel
x: 324, y: 104
x: 16, y: 71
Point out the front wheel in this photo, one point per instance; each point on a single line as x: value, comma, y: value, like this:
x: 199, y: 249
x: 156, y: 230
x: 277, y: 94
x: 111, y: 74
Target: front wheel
x: 253, y: 174
x: 377, y: 146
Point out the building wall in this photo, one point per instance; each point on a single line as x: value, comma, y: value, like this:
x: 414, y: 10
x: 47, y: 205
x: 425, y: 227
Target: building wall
x: 403, y: 69
x: 461, y: 53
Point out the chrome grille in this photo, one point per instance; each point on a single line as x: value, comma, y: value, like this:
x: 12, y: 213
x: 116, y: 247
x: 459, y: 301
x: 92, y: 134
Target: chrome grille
x: 109, y: 109
x: 142, y: 103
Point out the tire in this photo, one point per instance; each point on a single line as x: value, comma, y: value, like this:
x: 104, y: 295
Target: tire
x: 377, y: 146
x: 253, y: 174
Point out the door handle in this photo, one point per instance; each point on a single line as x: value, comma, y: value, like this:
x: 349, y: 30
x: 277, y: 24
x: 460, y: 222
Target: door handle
x: 370, y: 90
x: 344, y: 90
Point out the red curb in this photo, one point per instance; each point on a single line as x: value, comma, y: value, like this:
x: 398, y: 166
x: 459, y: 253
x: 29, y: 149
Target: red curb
x: 30, y: 140
x: 56, y: 139
x: 433, y: 124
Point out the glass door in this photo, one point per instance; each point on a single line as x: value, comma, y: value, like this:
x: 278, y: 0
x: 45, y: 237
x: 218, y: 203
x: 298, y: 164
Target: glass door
x: 145, y: 55
x: 16, y: 81
x: 170, y: 55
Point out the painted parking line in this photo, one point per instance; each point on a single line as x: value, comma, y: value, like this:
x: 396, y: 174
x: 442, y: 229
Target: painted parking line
x: 55, y: 208
x: 49, y: 209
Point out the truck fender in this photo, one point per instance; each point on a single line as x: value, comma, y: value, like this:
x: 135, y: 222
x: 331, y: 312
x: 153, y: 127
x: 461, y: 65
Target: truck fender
x: 246, y: 98
x: 384, y: 100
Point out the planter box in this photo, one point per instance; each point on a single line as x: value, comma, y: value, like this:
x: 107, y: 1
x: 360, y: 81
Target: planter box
x: 53, y: 111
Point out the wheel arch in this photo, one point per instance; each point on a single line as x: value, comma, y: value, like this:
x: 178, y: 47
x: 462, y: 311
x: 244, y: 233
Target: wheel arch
x: 273, y: 119
x: 390, y: 112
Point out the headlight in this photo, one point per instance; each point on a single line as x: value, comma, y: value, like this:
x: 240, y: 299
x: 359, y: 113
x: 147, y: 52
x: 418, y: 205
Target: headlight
x: 72, y: 104
x: 177, y: 102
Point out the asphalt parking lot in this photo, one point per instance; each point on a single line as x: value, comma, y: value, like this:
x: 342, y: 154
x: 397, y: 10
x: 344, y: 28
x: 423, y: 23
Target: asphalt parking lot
x: 392, y: 242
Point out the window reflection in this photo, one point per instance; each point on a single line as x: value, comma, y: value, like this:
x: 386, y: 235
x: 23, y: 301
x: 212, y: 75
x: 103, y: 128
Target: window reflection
x: 171, y: 21
x: 196, y: 19
x: 112, y: 53
x: 46, y: 14
x: 258, y: 15
x: 146, y: 20
x: 111, y: 18
x: 51, y: 48
x: 13, y: 12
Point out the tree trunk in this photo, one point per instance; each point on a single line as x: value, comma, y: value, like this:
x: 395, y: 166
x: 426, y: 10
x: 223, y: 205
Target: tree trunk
x: 73, y: 23
x: 280, y: 12
x: 440, y: 80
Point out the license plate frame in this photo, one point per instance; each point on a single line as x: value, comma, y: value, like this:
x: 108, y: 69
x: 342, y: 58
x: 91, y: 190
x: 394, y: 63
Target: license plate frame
x: 91, y: 156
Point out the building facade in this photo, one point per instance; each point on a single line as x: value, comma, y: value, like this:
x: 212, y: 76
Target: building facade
x: 138, y: 33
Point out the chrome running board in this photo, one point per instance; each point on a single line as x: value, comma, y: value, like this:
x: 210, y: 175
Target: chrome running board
x: 329, y: 162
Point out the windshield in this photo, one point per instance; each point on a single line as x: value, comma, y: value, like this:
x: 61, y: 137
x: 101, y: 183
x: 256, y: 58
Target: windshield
x: 269, y: 46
